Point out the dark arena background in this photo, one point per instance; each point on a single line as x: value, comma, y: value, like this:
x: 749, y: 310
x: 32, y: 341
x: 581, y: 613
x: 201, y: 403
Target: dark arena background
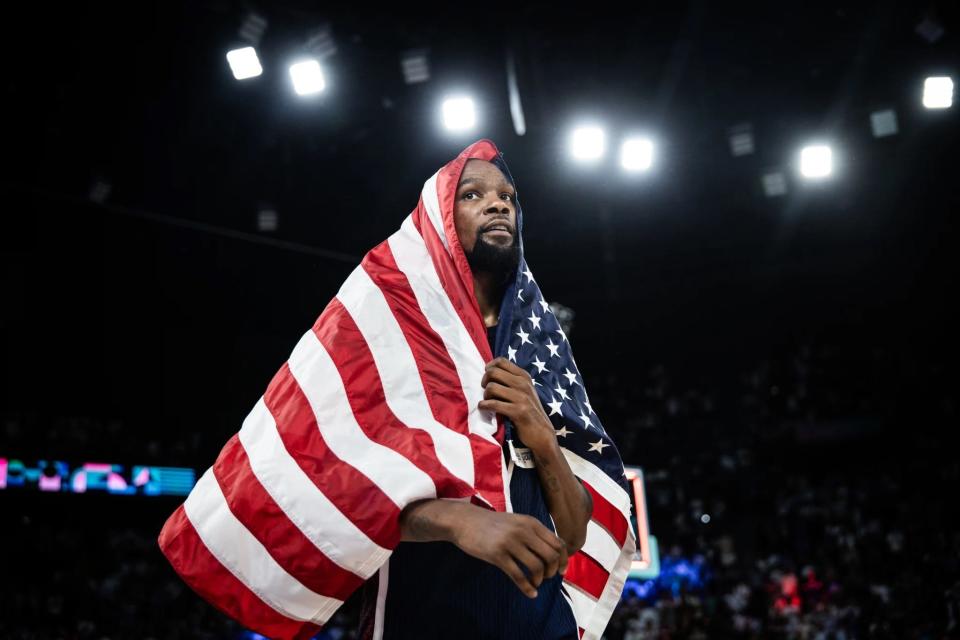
x: 748, y: 215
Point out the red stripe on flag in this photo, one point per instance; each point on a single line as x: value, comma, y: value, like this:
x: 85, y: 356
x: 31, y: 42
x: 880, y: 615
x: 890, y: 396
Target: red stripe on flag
x: 586, y: 573
x: 459, y: 291
x: 263, y: 517
x: 340, y: 336
x: 448, y: 179
x: 608, y: 516
x: 437, y: 369
x: 214, y: 583
x: 467, y: 309
x: 353, y: 493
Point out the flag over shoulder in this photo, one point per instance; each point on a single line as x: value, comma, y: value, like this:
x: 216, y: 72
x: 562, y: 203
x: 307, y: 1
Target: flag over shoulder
x: 376, y: 408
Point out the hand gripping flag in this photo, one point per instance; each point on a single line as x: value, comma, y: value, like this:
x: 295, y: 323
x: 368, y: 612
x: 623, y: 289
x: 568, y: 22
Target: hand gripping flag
x: 376, y: 408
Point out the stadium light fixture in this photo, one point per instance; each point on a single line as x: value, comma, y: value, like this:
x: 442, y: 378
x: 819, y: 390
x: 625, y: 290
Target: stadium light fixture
x: 459, y: 113
x: 244, y: 63
x: 307, y: 77
x: 938, y: 92
x: 636, y: 154
x: 774, y: 184
x: 587, y: 143
x: 883, y: 123
x: 816, y: 161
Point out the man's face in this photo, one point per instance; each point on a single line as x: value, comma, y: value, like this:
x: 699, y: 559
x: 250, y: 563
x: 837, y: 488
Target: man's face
x: 485, y: 216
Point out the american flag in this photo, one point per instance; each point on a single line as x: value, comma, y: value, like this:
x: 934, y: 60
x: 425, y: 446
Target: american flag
x: 376, y: 408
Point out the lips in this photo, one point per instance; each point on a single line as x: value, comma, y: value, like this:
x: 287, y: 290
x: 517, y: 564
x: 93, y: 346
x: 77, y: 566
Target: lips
x: 498, y: 226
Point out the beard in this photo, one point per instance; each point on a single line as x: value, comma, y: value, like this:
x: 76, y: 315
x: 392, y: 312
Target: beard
x: 499, y: 260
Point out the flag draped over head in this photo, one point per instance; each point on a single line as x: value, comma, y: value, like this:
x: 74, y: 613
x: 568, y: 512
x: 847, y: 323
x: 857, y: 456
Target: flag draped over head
x: 376, y: 408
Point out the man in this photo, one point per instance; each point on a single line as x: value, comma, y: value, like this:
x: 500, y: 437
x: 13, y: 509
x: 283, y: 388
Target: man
x: 470, y: 578
x: 394, y: 451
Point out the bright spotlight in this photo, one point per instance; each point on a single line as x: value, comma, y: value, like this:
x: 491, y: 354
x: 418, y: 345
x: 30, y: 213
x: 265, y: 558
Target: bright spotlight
x: 459, y: 114
x: 636, y: 154
x: 244, y: 63
x: 587, y: 143
x: 816, y: 161
x: 307, y: 77
x: 938, y: 92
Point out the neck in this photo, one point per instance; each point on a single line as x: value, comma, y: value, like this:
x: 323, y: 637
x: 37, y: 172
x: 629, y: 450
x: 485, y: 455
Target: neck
x: 489, y: 292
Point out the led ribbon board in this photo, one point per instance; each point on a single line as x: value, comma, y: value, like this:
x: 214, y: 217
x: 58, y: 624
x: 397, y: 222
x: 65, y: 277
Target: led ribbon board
x: 58, y: 477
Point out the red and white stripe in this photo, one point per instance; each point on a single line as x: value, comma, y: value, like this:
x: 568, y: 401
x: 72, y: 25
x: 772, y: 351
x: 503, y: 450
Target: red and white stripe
x: 302, y: 505
x: 596, y: 574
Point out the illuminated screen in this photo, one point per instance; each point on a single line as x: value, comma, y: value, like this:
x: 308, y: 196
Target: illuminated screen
x: 646, y: 560
x: 58, y: 476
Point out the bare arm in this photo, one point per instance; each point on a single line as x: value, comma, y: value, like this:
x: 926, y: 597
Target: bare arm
x: 509, y: 391
x: 505, y: 540
x: 569, y: 502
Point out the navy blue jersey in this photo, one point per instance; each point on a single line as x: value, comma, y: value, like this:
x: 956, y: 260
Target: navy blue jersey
x: 434, y: 590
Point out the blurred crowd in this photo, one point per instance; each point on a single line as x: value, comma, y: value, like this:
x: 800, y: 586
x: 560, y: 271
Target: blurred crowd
x: 812, y: 497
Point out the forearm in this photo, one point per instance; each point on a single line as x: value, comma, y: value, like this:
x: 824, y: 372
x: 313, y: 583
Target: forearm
x: 432, y: 520
x: 568, y: 501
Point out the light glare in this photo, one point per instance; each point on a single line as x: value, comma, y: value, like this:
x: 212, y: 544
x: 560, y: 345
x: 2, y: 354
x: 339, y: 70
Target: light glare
x: 459, y: 114
x: 307, y: 77
x: 816, y: 161
x: 938, y: 92
x: 588, y: 143
x: 636, y: 154
x: 244, y: 63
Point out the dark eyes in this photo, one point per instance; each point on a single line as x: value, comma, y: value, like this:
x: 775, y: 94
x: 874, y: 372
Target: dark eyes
x: 509, y: 195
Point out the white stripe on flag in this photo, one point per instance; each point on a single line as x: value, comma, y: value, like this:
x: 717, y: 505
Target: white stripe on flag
x: 611, y: 592
x: 397, y: 369
x: 243, y: 555
x: 601, y: 482
x: 601, y: 546
x: 319, y: 378
x: 412, y: 258
x: 302, y: 502
x: 581, y: 603
x: 431, y: 202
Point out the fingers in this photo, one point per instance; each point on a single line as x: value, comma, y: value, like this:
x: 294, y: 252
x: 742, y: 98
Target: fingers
x: 555, y: 543
x: 564, y: 559
x: 499, y: 406
x: 504, y: 377
x: 495, y: 390
x: 510, y: 567
x: 505, y: 365
x: 532, y: 562
x: 548, y: 555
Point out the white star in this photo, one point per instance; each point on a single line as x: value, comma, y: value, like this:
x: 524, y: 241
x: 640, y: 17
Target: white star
x: 536, y: 384
x: 598, y: 446
x: 520, y: 295
x: 589, y: 408
x: 562, y: 392
x: 539, y: 364
x: 535, y: 320
x: 586, y: 420
x: 523, y: 335
x: 528, y: 274
x: 562, y: 334
x: 511, y: 353
x: 545, y: 305
x: 563, y: 432
x: 570, y: 376
x: 555, y: 407
x: 553, y: 349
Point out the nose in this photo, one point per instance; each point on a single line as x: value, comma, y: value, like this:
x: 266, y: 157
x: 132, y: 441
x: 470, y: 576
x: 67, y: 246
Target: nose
x: 498, y: 206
